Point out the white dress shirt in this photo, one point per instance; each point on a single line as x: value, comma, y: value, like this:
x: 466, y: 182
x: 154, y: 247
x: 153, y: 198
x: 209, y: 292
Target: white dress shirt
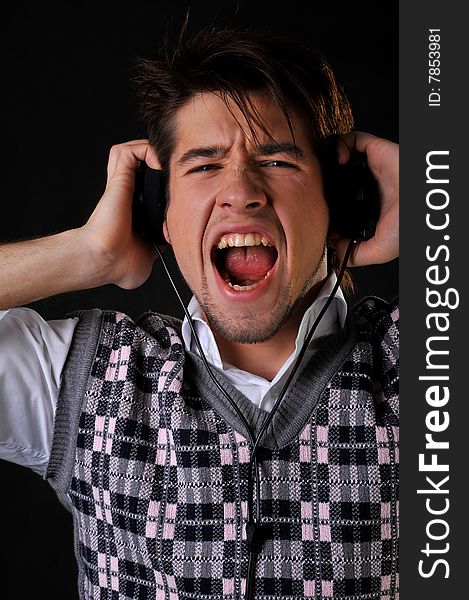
x: 260, y: 391
x: 33, y: 354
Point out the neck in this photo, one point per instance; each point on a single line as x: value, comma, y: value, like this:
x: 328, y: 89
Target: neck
x: 266, y: 358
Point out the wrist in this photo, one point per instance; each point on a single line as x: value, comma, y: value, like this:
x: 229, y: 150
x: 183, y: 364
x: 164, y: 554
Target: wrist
x: 99, y: 262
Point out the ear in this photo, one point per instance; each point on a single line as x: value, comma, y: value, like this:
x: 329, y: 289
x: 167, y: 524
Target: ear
x: 167, y: 237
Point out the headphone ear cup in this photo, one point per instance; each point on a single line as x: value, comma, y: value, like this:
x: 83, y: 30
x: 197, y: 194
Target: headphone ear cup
x: 149, y: 205
x: 353, y: 199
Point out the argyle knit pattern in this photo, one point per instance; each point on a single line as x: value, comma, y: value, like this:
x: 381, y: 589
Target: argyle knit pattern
x: 153, y: 465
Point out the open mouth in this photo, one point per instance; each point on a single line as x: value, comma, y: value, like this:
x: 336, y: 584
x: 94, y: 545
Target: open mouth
x: 244, y: 260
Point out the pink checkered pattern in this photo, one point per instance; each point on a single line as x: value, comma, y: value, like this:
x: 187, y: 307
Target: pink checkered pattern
x: 159, y: 487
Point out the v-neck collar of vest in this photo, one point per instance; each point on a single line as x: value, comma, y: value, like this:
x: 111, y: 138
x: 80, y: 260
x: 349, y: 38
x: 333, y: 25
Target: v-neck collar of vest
x: 297, y: 405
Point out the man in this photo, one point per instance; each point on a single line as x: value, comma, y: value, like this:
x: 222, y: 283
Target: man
x: 195, y: 480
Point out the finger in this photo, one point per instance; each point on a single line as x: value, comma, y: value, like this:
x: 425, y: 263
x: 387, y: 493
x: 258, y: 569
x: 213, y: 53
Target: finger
x: 116, y: 152
x: 359, y: 255
x: 358, y: 140
x: 151, y: 158
x: 343, y: 151
x: 124, y: 158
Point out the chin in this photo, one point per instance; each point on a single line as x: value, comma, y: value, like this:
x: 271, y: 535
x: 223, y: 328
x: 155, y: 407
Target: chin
x: 244, y: 333
x: 246, y: 323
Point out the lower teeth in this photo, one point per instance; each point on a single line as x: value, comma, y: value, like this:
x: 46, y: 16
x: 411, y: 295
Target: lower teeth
x: 242, y: 288
x: 245, y: 288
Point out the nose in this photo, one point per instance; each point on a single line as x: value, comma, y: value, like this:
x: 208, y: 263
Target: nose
x: 240, y: 192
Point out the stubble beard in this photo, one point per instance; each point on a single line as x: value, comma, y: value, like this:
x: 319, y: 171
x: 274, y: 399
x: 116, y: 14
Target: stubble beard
x: 253, y: 328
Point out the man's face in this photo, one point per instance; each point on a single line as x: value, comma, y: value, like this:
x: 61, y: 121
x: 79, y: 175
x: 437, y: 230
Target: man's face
x: 247, y: 217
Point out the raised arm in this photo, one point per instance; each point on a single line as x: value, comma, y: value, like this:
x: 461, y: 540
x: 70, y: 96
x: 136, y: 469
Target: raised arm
x: 104, y: 250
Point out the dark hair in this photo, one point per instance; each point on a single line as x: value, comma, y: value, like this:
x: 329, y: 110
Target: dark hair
x: 235, y: 62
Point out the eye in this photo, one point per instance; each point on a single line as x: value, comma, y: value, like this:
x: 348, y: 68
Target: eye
x: 204, y: 168
x: 278, y: 164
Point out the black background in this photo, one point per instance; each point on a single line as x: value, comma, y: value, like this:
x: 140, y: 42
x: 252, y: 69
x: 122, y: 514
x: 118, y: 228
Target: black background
x: 66, y: 98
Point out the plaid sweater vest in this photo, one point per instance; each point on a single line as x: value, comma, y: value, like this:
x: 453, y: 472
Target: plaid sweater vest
x: 153, y: 464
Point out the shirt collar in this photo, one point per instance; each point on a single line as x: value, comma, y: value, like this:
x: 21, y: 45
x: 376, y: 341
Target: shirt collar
x: 335, y: 315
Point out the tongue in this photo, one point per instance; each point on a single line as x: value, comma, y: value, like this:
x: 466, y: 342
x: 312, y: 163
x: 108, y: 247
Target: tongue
x: 250, y: 264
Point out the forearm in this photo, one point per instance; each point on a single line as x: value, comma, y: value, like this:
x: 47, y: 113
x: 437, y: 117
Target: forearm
x: 105, y: 250
x: 40, y: 268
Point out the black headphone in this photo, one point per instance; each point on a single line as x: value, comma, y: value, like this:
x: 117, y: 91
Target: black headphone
x: 352, y: 196
x: 149, y: 203
x: 351, y: 193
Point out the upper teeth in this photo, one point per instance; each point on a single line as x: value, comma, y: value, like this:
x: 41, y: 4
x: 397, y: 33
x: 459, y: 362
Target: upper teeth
x: 242, y: 239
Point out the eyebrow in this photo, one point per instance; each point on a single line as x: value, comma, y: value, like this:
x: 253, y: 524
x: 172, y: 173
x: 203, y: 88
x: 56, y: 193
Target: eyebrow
x: 280, y: 148
x: 203, y: 152
x: 217, y: 151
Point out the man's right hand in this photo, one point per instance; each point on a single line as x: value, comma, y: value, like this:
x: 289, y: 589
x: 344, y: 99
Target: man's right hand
x: 126, y: 257
x: 104, y: 250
